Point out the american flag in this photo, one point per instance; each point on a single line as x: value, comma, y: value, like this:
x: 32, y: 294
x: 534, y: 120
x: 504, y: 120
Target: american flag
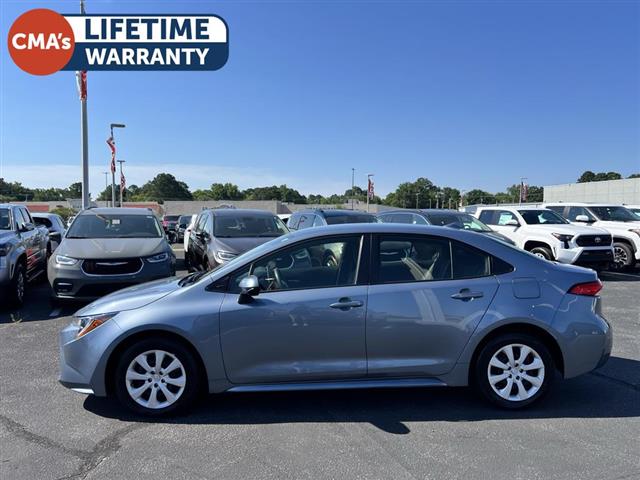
x: 524, y: 191
x: 81, y: 79
x: 112, y: 145
x: 123, y: 182
x: 370, y: 191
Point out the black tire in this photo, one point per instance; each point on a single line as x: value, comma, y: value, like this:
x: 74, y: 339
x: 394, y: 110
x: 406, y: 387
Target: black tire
x: 192, y: 386
x: 623, y: 256
x: 17, y: 286
x: 542, y: 252
x: 480, y: 372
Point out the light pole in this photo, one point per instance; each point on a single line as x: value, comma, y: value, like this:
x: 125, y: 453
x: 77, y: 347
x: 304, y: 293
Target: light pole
x: 106, y: 184
x: 113, y: 171
x: 353, y: 184
x: 368, y: 189
x: 121, y: 162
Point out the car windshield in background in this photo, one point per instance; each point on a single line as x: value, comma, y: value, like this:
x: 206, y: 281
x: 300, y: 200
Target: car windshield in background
x: 340, y: 219
x: 171, y: 218
x: 541, y: 217
x: 115, y: 226
x: 461, y: 221
x: 184, y: 219
x: 614, y: 214
x: 229, y: 226
x: 5, y: 219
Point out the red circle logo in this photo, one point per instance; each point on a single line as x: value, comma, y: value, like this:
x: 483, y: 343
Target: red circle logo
x: 41, y: 41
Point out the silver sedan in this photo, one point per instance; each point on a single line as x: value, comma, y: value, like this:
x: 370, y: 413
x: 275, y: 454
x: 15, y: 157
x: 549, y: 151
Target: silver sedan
x: 402, y: 306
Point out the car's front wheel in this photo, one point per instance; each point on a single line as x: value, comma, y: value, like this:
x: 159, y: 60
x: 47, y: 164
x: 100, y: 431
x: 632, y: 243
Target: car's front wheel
x: 622, y: 256
x: 542, y: 252
x: 514, y: 370
x: 156, y: 377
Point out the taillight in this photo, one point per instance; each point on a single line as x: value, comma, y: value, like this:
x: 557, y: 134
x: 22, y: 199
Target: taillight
x: 589, y: 289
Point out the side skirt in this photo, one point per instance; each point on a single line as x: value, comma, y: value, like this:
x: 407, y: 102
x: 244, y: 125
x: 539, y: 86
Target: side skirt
x: 339, y: 385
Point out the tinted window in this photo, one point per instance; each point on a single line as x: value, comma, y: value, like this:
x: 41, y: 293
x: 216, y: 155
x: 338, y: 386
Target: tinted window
x: 293, y: 222
x: 20, y: 219
x: 171, y: 218
x: 247, y: 225
x: 458, y: 220
x: 5, y: 219
x: 542, y: 217
x: 42, y: 221
x: 469, y: 262
x: 558, y: 209
x: 306, y: 221
x: 184, y: 219
x: 387, y: 218
x: 321, y: 263
x: 406, y: 218
x: 413, y: 259
x: 202, y: 220
x: 614, y: 214
x: 340, y: 219
x: 318, y: 222
x: 115, y: 226
x: 573, y: 213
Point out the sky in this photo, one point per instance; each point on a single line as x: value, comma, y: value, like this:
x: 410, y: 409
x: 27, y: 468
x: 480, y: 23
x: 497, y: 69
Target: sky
x: 470, y: 94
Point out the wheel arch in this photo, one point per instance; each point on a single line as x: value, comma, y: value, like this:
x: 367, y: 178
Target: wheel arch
x: 519, y: 328
x: 531, y: 244
x: 626, y: 241
x: 126, y: 342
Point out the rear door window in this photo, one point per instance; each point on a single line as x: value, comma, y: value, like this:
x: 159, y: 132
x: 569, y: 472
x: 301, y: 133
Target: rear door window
x: 469, y: 262
x: 413, y: 259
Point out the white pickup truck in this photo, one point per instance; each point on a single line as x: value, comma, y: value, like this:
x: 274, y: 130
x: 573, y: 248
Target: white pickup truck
x: 546, y: 234
x: 620, y: 222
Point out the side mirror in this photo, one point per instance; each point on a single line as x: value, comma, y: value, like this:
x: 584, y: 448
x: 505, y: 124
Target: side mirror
x: 55, y: 236
x: 512, y: 223
x: 582, y: 218
x: 250, y: 288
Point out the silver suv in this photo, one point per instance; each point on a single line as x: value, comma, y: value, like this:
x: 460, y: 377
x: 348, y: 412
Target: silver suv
x: 107, y: 249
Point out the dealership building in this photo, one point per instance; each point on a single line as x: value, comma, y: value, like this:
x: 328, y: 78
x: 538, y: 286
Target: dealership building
x: 625, y: 191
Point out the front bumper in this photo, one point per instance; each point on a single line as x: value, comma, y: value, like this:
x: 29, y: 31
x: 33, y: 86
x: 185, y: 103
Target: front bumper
x: 584, y: 255
x: 83, y: 360
x: 71, y: 282
x: 5, y: 274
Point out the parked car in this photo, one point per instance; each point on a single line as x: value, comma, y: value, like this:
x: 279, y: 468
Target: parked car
x: 222, y: 234
x: 183, y: 224
x: 107, y: 249
x: 441, y: 217
x: 317, y: 217
x: 405, y: 306
x: 546, y: 234
x: 70, y: 220
x: 635, y: 209
x: 616, y: 220
x: 23, y: 252
x: 170, y: 227
x: 54, y: 224
x: 187, y: 237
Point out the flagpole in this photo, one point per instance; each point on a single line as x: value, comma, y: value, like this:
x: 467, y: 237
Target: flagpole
x: 84, y: 134
x: 113, y: 177
x: 121, y: 162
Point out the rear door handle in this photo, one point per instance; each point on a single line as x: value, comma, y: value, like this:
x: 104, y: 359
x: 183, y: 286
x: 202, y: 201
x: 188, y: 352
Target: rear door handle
x: 466, y: 294
x: 346, y: 304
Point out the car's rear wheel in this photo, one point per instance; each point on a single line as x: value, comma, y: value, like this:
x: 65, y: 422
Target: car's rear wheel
x: 514, y: 370
x: 542, y: 252
x: 156, y: 376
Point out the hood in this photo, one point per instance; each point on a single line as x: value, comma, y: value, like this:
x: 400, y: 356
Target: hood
x: 6, y: 235
x: 624, y: 226
x: 569, y: 229
x: 239, y: 245
x: 132, y: 297
x: 105, y: 248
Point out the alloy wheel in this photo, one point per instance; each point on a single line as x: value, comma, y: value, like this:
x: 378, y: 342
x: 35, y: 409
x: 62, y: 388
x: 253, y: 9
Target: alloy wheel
x: 20, y: 285
x: 155, y: 379
x: 620, y: 257
x: 516, y: 372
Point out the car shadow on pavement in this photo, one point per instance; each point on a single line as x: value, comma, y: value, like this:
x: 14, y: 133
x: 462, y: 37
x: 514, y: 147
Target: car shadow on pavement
x: 392, y: 410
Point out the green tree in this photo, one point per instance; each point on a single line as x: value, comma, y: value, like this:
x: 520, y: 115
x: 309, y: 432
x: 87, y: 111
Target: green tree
x: 64, y: 212
x: 420, y: 194
x: 226, y: 191
x: 75, y: 190
x: 634, y: 175
x: 163, y: 187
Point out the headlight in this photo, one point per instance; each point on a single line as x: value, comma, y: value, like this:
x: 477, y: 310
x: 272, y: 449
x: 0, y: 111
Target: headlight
x: 63, y: 260
x: 161, y: 257
x: 563, y: 238
x: 5, y: 248
x: 91, y: 322
x: 634, y: 230
x: 224, y: 256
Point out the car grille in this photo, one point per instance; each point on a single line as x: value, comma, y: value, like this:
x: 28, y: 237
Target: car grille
x: 112, y: 266
x: 593, y: 240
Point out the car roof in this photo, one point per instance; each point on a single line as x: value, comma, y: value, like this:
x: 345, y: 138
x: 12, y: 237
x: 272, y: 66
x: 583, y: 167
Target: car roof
x: 513, y: 207
x: 335, y: 212
x: 235, y: 212
x: 116, y: 211
x: 583, y: 204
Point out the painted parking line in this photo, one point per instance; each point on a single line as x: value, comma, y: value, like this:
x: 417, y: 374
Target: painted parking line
x: 623, y: 275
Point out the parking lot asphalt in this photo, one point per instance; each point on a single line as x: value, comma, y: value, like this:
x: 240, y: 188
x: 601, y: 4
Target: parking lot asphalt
x: 587, y: 428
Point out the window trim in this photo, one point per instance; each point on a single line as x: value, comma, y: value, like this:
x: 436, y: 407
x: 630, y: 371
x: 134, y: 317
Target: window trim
x: 362, y: 248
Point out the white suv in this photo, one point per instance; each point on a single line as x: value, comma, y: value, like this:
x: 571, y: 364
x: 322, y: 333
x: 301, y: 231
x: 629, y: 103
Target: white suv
x: 546, y: 234
x: 617, y: 220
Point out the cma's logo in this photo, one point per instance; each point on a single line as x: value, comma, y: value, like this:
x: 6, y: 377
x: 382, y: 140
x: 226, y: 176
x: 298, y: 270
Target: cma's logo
x: 30, y: 41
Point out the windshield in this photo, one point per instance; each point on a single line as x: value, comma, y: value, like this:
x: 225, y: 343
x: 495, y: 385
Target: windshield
x: 340, y: 219
x: 458, y: 220
x: 614, y: 214
x: 5, y: 219
x: 115, y: 226
x: 184, y: 219
x: 235, y: 226
x: 541, y: 217
x: 171, y: 218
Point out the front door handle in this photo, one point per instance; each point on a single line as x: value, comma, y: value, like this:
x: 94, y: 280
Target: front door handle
x: 346, y: 304
x: 466, y: 294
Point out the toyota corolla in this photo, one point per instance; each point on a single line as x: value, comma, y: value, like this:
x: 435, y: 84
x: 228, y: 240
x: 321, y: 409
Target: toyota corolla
x: 402, y: 306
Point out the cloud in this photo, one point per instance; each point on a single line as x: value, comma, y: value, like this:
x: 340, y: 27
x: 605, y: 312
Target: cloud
x: 197, y: 176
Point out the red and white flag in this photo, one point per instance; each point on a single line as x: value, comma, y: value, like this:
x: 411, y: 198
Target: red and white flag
x: 123, y: 183
x: 112, y: 145
x: 370, y: 191
x: 524, y: 191
x: 81, y: 80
